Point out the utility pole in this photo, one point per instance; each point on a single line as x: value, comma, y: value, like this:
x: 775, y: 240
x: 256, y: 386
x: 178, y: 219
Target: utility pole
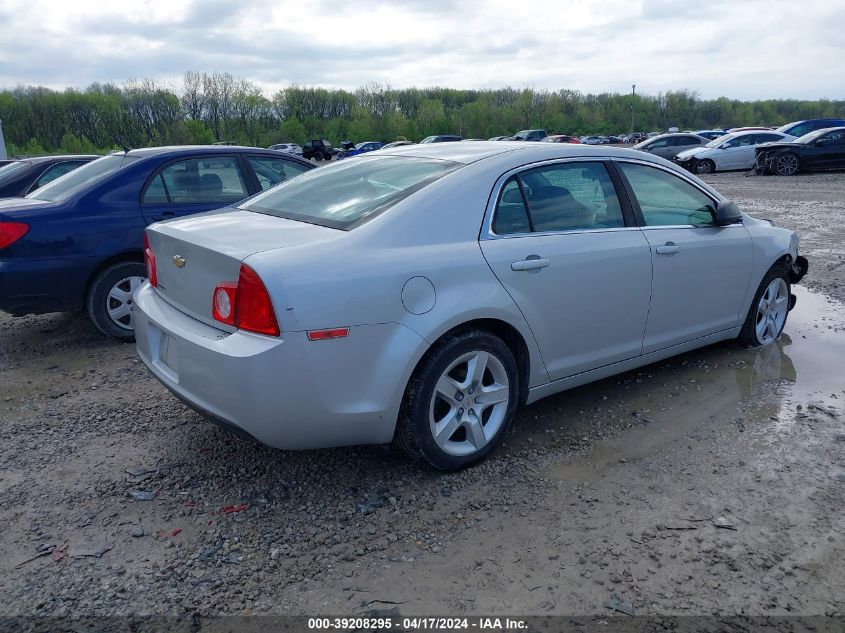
x: 633, y: 94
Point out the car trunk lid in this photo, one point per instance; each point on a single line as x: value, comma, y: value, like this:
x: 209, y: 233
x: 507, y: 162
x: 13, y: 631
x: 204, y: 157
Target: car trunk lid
x: 196, y: 253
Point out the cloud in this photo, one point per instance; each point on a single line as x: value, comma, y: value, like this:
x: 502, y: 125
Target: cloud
x: 752, y: 49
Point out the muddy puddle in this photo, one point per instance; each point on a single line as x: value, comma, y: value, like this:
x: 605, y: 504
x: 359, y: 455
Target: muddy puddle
x: 688, y: 397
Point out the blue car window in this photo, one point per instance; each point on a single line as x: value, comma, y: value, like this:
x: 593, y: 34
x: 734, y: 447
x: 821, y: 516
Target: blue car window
x: 209, y: 180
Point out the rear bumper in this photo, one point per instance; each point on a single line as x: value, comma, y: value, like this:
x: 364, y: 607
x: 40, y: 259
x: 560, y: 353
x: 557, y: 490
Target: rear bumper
x: 286, y: 392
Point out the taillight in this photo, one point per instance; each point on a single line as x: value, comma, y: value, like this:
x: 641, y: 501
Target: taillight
x: 11, y: 232
x: 150, y: 263
x: 245, y: 305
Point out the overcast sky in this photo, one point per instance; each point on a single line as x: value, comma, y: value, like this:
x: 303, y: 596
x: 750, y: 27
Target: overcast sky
x: 745, y: 49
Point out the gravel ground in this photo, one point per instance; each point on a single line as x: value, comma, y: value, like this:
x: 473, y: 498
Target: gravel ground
x: 709, y: 484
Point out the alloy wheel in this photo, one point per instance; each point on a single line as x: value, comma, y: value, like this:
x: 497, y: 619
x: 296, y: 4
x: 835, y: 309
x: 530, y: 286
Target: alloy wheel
x: 469, y: 403
x: 119, y: 301
x: 704, y: 167
x: 771, y: 311
x: 786, y: 165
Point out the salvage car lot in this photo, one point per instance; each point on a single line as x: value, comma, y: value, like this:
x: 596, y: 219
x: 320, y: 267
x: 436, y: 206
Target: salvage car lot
x: 623, y: 487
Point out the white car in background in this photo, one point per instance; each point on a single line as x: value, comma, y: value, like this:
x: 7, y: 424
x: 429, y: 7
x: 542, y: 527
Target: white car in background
x: 420, y: 294
x: 290, y: 148
x: 731, y: 151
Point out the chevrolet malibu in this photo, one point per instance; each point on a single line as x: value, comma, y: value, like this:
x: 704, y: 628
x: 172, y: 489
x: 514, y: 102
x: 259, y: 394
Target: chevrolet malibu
x: 421, y: 294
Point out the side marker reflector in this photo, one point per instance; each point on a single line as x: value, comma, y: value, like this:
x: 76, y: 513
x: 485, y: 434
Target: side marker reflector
x: 322, y: 335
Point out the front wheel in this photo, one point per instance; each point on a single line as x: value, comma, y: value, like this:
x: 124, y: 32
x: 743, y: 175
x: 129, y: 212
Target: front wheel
x: 460, y: 401
x: 786, y: 164
x: 705, y: 166
x: 110, y: 299
x: 767, y: 315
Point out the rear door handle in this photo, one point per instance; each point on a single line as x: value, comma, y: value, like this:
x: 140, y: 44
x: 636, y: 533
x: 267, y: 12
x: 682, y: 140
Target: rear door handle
x: 667, y: 249
x: 166, y: 215
x: 530, y: 264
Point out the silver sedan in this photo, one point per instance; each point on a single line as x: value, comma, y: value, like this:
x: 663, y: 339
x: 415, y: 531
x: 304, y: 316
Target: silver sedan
x: 421, y: 294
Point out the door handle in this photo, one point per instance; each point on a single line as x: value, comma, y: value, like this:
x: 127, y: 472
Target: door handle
x: 166, y: 215
x: 531, y: 263
x: 667, y: 249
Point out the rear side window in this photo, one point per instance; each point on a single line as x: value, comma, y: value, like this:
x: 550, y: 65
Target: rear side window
x: 563, y: 197
x: 210, y: 180
x: 348, y: 193
x: 272, y: 171
x: 666, y: 200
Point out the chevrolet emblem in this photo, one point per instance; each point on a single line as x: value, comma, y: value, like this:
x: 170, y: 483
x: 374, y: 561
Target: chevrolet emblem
x: 179, y: 261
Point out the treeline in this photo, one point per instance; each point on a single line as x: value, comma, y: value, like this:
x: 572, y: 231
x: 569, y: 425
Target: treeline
x: 211, y: 107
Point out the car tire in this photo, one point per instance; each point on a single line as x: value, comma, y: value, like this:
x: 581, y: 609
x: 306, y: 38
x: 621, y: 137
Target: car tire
x: 327, y: 156
x: 451, y: 431
x: 109, y: 300
x: 705, y: 166
x: 787, y: 164
x: 769, y: 310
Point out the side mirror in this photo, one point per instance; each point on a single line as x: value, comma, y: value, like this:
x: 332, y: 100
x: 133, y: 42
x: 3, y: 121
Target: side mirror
x: 820, y: 142
x: 724, y: 145
x: 727, y: 213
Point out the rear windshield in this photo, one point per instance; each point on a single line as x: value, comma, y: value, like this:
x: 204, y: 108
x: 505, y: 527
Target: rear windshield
x: 349, y: 193
x: 64, y: 187
x: 7, y: 172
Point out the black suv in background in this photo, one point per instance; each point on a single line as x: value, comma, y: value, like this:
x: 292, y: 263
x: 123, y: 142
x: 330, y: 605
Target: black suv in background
x: 319, y: 149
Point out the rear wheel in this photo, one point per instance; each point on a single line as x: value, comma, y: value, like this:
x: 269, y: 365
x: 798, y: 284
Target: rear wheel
x: 787, y: 164
x: 460, y: 401
x: 705, y: 166
x: 109, y: 300
x: 768, y: 312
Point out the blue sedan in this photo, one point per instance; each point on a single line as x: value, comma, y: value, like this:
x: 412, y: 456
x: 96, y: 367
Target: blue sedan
x: 77, y: 242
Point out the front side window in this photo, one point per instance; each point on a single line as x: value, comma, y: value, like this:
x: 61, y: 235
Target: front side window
x: 350, y: 192
x: 667, y: 200
x: 210, y: 180
x: 272, y: 171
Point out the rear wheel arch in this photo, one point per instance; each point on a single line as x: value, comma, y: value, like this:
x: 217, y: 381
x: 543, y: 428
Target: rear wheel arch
x: 126, y: 256
x: 510, y: 335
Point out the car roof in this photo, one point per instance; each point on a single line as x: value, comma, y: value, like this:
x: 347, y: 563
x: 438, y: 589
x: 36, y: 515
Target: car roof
x: 673, y: 134
x: 144, y: 152
x: 177, y: 151
x: 472, y: 151
x: 44, y: 159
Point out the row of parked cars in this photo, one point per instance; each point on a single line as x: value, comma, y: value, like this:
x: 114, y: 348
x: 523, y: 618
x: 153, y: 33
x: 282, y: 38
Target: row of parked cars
x: 71, y: 226
x: 801, y: 145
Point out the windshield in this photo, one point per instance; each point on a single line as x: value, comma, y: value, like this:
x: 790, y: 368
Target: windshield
x: 718, y: 141
x: 7, y: 172
x: 64, y: 187
x: 809, y: 137
x: 428, y: 139
x: 349, y: 193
